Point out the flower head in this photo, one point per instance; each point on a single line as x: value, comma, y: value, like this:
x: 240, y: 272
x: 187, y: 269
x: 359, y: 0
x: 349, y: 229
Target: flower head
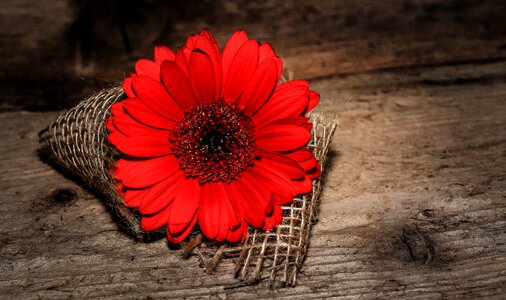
x: 212, y: 138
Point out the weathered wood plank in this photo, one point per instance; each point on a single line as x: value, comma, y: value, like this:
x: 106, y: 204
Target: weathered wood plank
x: 41, y: 67
x: 414, y: 204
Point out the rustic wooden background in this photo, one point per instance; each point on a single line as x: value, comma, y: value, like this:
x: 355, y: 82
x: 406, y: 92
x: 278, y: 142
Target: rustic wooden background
x: 415, y: 198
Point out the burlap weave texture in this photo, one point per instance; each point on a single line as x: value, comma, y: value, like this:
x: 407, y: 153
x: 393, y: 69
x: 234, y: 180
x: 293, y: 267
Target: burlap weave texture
x: 77, y: 141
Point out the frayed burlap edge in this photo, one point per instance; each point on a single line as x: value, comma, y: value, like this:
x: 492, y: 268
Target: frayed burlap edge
x: 77, y: 141
x: 278, y: 255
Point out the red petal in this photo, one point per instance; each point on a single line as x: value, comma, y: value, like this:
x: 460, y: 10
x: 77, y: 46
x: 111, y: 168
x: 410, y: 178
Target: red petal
x: 260, y: 184
x: 279, y: 64
x: 161, y: 195
x: 117, y: 109
x: 234, y: 216
x: 304, y: 186
x: 153, y: 222
x: 180, y: 60
x: 109, y: 125
x: 234, y: 43
x: 177, y: 84
x: 163, y: 53
x: 266, y: 52
x: 282, y: 188
x: 281, y: 165
x: 302, y: 122
x: 269, y: 206
x: 184, y: 206
x: 238, y: 234
x: 260, y: 194
x: 281, y: 137
x: 140, y: 112
x: 242, y: 67
x: 288, y: 100
x: 207, y: 44
x: 146, y: 67
x: 223, y: 229
x: 314, y: 173
x: 273, y: 219
x: 309, y: 164
x: 281, y: 199
x: 144, y: 146
x: 116, y: 137
x: 130, y: 127
x: 300, y: 154
x: 123, y: 166
x: 202, y: 76
x: 297, y: 121
x: 208, y: 35
x: 209, y: 212
x: 179, y: 238
x: 312, y: 167
x: 150, y: 171
x: 307, y: 126
x: 293, y: 88
x: 153, y: 94
x: 260, y: 87
x: 133, y: 198
x: 251, y: 198
x: 127, y: 87
x: 314, y: 98
x: 216, y: 215
x: 191, y: 41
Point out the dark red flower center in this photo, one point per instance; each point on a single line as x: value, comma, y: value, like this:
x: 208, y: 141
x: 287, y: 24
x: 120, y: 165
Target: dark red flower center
x: 214, y: 142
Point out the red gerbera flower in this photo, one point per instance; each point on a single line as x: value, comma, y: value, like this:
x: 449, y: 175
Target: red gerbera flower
x: 212, y: 138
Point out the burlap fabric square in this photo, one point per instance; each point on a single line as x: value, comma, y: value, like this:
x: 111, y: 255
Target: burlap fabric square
x: 77, y: 142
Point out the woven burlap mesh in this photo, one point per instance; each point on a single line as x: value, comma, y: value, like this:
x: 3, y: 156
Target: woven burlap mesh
x: 77, y: 141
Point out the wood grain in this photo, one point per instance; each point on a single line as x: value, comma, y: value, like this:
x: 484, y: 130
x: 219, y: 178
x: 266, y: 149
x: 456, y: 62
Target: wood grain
x: 414, y: 204
x: 41, y: 43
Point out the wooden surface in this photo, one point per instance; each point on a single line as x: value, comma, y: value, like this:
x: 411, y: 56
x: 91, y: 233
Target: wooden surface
x: 415, y: 198
x: 53, y: 53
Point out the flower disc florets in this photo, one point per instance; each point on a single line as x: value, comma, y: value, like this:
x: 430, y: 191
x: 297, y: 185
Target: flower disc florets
x: 214, y: 142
